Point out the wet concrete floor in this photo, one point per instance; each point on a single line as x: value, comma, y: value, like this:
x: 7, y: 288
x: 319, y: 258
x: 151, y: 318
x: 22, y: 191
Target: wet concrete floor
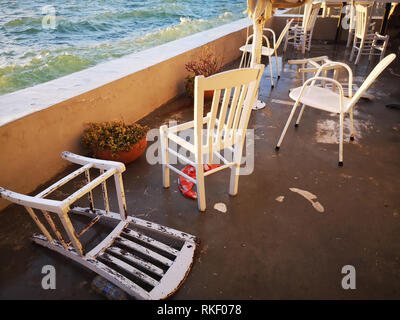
x: 272, y: 243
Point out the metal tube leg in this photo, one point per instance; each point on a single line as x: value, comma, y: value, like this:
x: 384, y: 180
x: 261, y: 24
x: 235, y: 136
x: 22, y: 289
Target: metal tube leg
x: 286, y: 41
x: 300, y: 114
x: 270, y: 71
x: 201, y: 192
x: 277, y: 65
x: 286, y: 125
x: 352, y: 124
x: 341, y: 141
x: 164, y: 156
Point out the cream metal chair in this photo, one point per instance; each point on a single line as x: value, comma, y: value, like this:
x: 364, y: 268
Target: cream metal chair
x: 265, y: 50
x: 300, y: 35
x: 128, y: 256
x: 225, y: 129
x: 313, y: 95
x: 365, y: 40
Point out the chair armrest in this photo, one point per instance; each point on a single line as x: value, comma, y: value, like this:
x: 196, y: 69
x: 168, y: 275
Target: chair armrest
x: 273, y: 35
x: 99, y: 164
x: 335, y: 64
x: 315, y: 79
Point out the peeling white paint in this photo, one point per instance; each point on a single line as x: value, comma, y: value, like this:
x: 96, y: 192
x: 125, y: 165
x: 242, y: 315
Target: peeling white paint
x: 220, y: 206
x: 310, y: 197
x: 328, y: 130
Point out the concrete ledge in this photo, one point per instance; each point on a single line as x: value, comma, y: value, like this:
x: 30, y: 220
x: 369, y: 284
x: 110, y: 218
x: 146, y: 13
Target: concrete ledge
x: 38, y: 123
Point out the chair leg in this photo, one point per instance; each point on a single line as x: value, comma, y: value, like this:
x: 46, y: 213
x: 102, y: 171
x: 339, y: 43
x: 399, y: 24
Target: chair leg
x: 359, y: 51
x: 286, y: 41
x: 235, y: 170
x: 277, y: 65
x: 201, y: 192
x: 341, y: 141
x: 278, y: 145
x: 270, y: 71
x: 352, y: 124
x: 303, y: 49
x: 164, y: 156
x: 300, y: 115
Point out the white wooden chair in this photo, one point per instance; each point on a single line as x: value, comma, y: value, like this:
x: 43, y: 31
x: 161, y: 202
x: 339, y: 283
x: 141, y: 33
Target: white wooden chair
x: 316, y: 96
x: 328, y: 6
x: 128, y: 256
x: 225, y: 129
x: 300, y: 35
x: 266, y: 51
x: 365, y: 39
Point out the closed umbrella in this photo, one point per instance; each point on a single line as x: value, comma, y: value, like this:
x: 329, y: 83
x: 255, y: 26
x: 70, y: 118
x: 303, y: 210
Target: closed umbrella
x: 259, y: 12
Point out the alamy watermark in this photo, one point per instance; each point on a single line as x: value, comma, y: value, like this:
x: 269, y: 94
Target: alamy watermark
x: 153, y: 152
x: 49, y: 280
x: 349, y: 280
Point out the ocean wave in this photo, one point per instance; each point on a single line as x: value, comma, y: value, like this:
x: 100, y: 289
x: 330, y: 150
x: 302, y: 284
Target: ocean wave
x: 187, y: 26
x: 89, y: 34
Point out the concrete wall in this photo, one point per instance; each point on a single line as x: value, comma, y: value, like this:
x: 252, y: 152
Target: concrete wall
x: 38, y: 123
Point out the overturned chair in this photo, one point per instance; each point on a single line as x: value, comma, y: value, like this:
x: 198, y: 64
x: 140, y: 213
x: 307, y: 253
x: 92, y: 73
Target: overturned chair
x: 128, y: 256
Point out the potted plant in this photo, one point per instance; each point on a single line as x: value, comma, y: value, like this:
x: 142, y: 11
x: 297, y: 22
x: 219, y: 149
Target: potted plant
x: 207, y: 64
x: 115, y: 140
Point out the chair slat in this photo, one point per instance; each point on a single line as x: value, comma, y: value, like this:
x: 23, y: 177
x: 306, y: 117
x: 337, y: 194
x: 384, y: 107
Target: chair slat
x: 138, y: 261
x: 127, y: 267
x: 150, y: 241
x: 150, y: 253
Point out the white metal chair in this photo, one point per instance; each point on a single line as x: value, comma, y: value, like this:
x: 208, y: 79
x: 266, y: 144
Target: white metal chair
x: 313, y: 95
x: 265, y: 50
x: 365, y: 39
x: 128, y: 256
x: 225, y: 129
x: 300, y: 35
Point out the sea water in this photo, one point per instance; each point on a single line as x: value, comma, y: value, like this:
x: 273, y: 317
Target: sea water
x: 43, y: 40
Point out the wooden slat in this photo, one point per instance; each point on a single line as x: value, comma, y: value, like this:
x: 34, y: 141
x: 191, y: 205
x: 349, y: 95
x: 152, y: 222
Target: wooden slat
x: 90, y: 186
x: 233, y: 107
x: 239, y: 107
x: 150, y: 241
x: 100, y: 268
x: 138, y: 261
x: 63, y: 181
x: 55, y: 229
x: 150, y: 253
x: 140, y: 223
x: 181, y: 173
x: 175, y: 275
x: 107, y: 241
x: 123, y: 265
x: 222, y: 115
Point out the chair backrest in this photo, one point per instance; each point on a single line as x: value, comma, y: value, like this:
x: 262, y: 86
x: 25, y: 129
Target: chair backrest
x: 372, y: 77
x: 227, y: 117
x: 283, y: 33
x: 312, y: 18
x: 246, y: 56
x: 362, y: 20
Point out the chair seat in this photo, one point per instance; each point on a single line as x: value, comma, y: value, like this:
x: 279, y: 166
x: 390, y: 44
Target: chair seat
x: 265, y: 51
x: 320, y: 98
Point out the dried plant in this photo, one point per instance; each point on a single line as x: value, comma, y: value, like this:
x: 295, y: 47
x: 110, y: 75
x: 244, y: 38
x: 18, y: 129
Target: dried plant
x: 207, y: 64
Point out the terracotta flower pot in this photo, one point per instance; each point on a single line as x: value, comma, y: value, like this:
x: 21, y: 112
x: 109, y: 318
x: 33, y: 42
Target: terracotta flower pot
x: 124, y: 156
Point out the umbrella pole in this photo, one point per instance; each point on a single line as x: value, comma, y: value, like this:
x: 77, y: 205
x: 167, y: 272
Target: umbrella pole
x: 258, y: 27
